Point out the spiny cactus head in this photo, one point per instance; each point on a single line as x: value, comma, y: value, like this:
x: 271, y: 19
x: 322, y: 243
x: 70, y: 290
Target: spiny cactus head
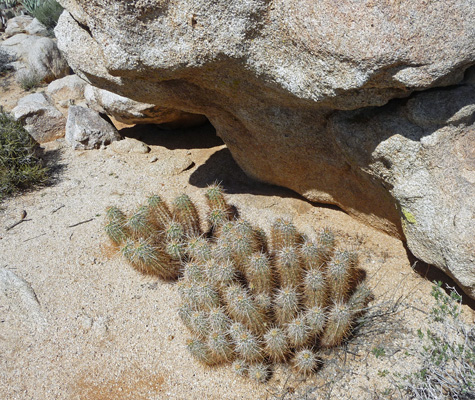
x: 215, y: 197
x: 223, y: 250
x: 313, y: 256
x: 187, y: 214
x: 288, y: 266
x: 139, y: 225
x: 247, y: 346
x: 316, y: 318
x: 147, y: 258
x: 240, y: 367
x: 242, y: 308
x: 199, y: 323
x: 338, y: 326
x: 235, y: 330
x: 193, y: 272
x: 243, y: 247
x: 159, y: 212
x: 284, y: 234
x: 113, y: 213
x: 220, y: 347
x: 224, y: 229
x: 243, y: 227
x: 206, y: 296
x: 174, y: 231
x: 198, y: 295
x: 305, y: 362
x: 175, y: 249
x: 259, y: 372
x: 218, y: 320
x: 286, y: 304
x: 263, y: 302
x: 259, y: 273
x: 199, y: 351
x: 315, y: 288
x: 217, y: 217
x: 115, y: 225
x: 276, y: 344
x: 298, y: 332
x: 220, y: 273
x: 198, y: 248
x: 340, y: 275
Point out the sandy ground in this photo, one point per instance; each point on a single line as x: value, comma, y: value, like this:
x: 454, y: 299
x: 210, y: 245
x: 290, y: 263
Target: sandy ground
x: 100, y: 330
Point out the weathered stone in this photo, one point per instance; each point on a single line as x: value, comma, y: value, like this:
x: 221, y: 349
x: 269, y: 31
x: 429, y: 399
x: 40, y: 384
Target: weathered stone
x: 131, y: 112
x: 66, y: 92
x: 86, y: 129
x: 274, y: 77
x: 130, y: 145
x: 21, y: 311
x: 37, y: 53
x: 17, y: 25
x: 36, y: 28
x: 40, y: 118
x: 423, y: 151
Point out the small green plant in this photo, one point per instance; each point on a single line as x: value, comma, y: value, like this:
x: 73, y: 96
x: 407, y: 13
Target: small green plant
x: 243, y: 299
x: 20, y: 168
x: 47, y: 12
x: 31, y: 5
x: 378, y: 352
x: 9, y: 3
x: 447, y: 353
x: 29, y: 78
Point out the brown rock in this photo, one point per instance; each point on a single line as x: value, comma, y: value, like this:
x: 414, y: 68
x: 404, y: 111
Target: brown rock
x: 274, y: 78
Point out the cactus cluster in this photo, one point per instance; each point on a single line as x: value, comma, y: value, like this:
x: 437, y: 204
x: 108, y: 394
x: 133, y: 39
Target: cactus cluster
x: 246, y: 299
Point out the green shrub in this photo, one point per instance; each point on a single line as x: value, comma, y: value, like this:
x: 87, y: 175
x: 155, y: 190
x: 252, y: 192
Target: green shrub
x: 447, y: 354
x: 20, y: 168
x: 45, y: 11
x: 29, y: 78
x: 48, y: 13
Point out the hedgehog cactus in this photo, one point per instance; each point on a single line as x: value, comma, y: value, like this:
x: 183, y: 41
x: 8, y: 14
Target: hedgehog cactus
x: 245, y: 301
x: 115, y: 226
x: 159, y: 212
x: 187, y: 214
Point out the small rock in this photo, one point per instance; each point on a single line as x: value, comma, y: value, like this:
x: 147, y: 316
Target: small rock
x: 66, y: 92
x: 174, y: 164
x: 129, y: 111
x: 39, y: 117
x: 36, y: 28
x: 99, y: 327
x: 86, y: 129
x: 17, y: 25
x: 37, y: 53
x: 85, y: 322
x: 130, y: 145
x: 153, y: 159
x: 21, y: 309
